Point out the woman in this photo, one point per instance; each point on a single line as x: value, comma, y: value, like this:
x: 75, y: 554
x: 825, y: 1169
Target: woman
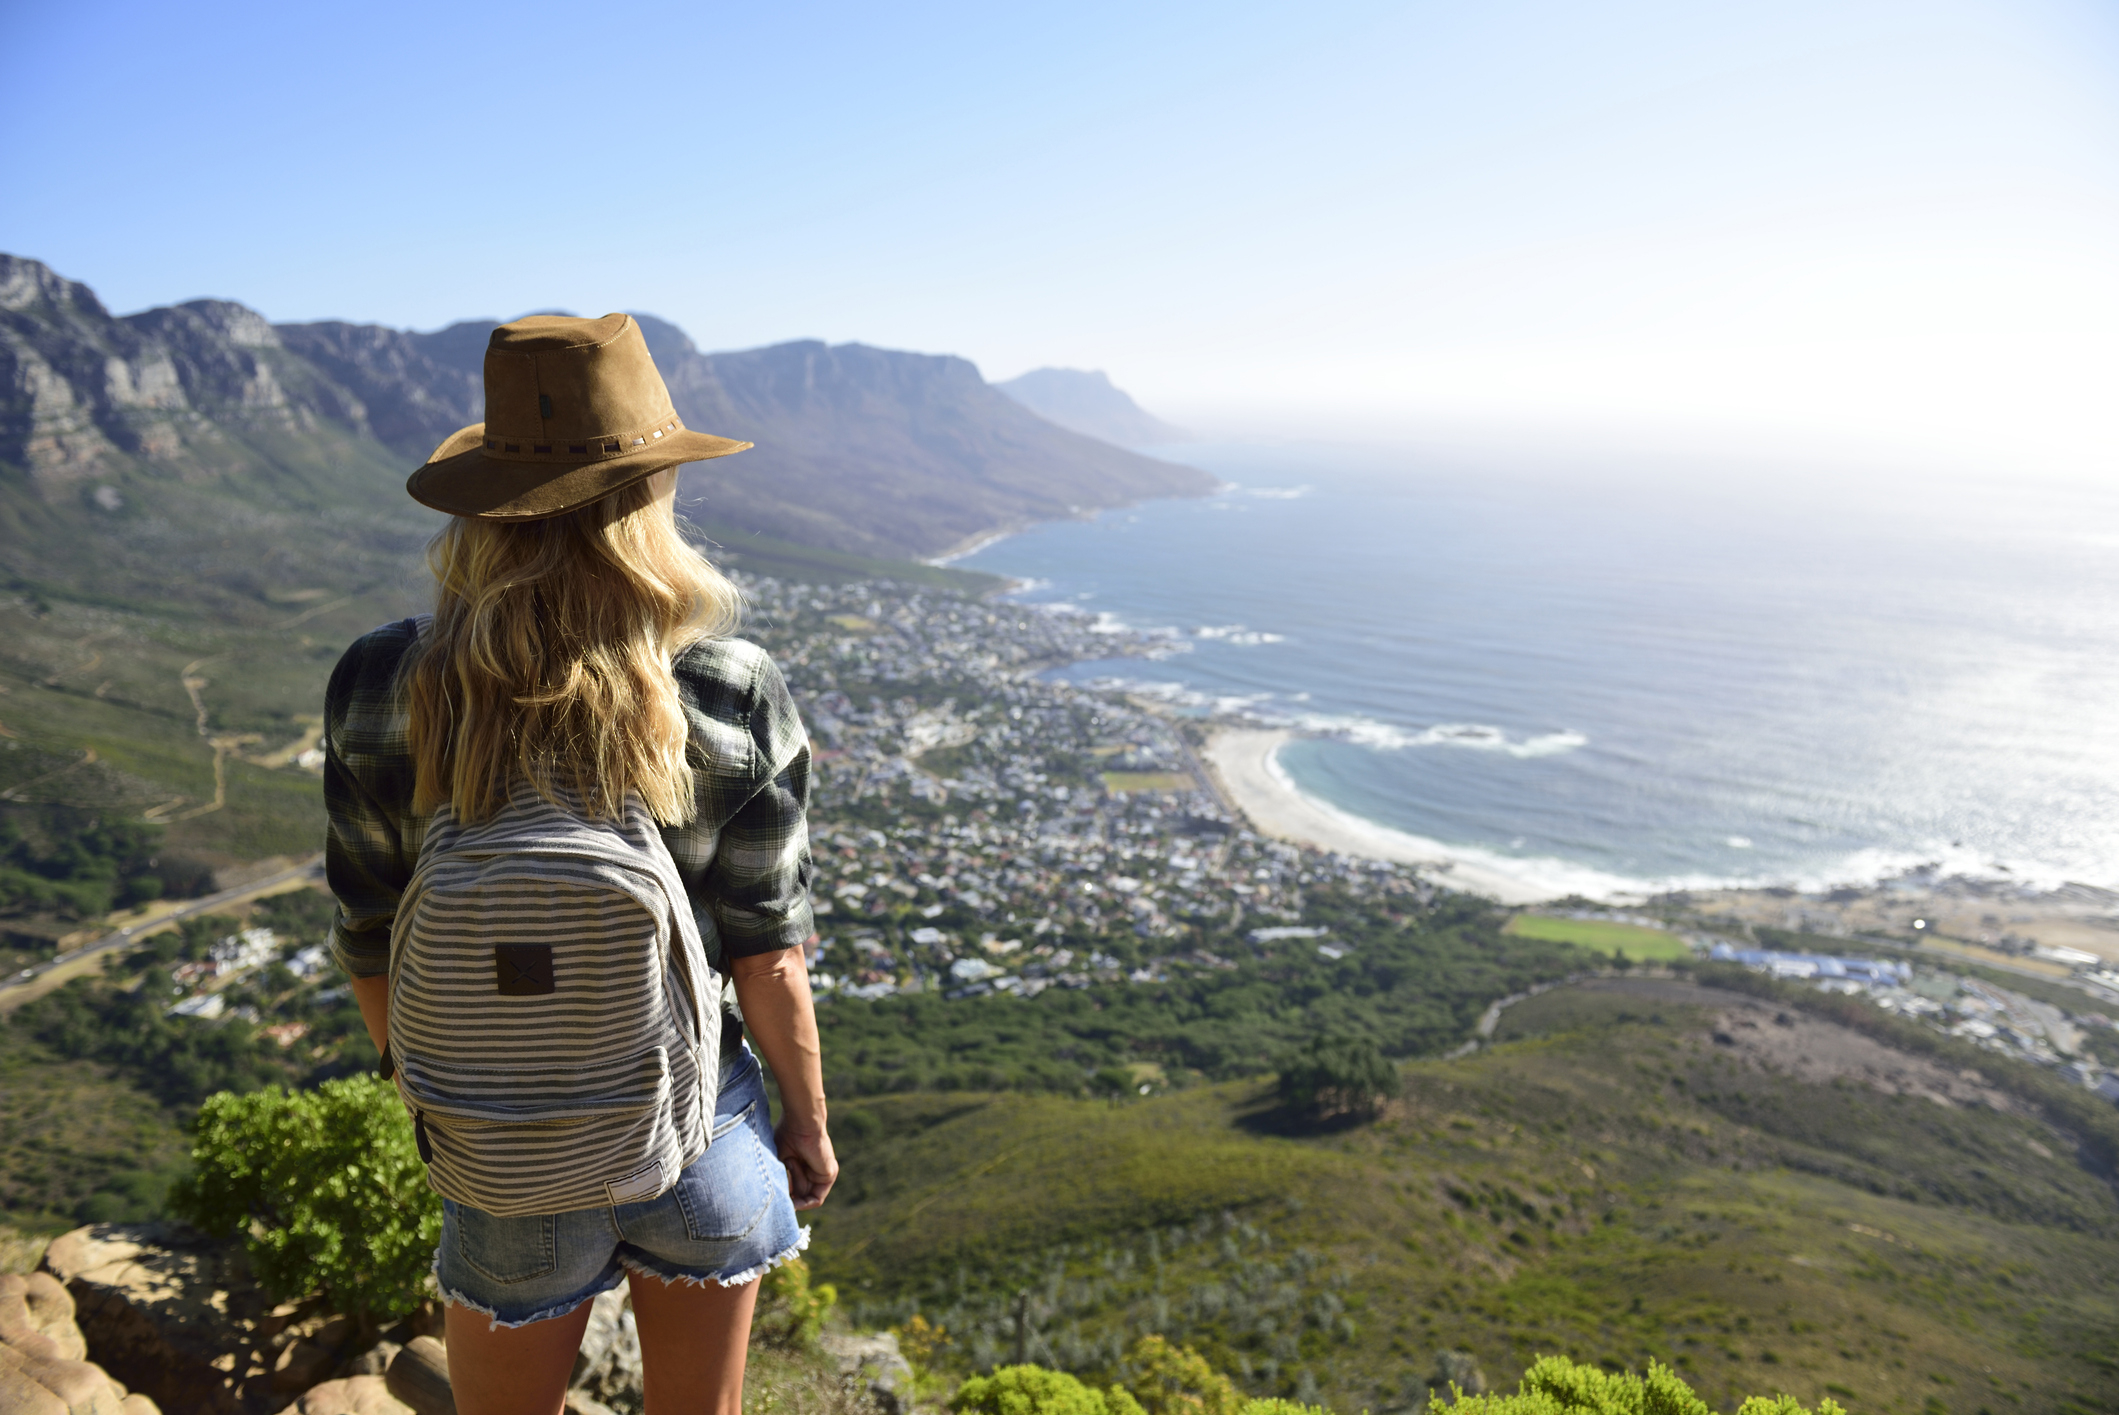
x: 571, y: 686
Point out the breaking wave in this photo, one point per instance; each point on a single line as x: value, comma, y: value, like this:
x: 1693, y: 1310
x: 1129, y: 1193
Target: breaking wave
x: 1265, y: 710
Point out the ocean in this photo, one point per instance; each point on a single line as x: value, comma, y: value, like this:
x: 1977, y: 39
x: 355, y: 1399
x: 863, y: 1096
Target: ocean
x: 1607, y: 678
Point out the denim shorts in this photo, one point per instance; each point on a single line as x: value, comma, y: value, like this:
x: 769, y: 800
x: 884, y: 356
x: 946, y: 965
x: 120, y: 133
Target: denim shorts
x: 728, y: 1219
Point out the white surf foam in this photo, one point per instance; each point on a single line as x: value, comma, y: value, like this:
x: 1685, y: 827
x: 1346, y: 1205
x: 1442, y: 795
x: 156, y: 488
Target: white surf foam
x: 1237, y: 635
x: 1362, y: 731
x: 1516, y: 878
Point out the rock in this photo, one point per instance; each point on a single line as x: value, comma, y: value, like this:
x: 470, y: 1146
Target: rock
x: 301, y: 1365
x: 354, y: 1395
x: 1460, y: 1369
x: 419, y: 1377
x: 41, y: 1367
x: 608, y: 1368
x: 579, y: 1404
x: 170, y: 1313
x: 48, y: 1385
x: 875, y: 1358
x: 37, y: 1315
x: 374, y: 1361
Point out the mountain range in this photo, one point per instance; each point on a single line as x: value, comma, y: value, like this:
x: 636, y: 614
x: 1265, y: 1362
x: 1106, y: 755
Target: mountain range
x: 1087, y: 402
x: 147, y: 436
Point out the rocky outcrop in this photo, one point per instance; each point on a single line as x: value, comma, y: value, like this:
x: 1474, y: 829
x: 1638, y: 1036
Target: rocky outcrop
x: 872, y: 1359
x: 354, y: 1395
x: 172, y: 1314
x: 84, y: 393
x: 42, y: 1370
x: 176, y: 1315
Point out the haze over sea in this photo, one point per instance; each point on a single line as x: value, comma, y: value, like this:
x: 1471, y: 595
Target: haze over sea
x: 1612, y: 679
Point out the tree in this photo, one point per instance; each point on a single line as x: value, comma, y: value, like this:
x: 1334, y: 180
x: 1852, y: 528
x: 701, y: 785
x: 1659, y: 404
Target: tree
x: 327, y: 1189
x: 1337, y: 1076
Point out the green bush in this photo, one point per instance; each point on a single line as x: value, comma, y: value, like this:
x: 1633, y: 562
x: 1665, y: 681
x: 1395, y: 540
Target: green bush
x: 791, y: 1309
x: 1557, y: 1386
x: 1330, y: 1076
x: 1176, y: 1380
x: 1033, y: 1390
x: 326, y: 1188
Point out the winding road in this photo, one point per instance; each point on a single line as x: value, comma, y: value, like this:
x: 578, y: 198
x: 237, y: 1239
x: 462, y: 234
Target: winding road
x: 23, y: 986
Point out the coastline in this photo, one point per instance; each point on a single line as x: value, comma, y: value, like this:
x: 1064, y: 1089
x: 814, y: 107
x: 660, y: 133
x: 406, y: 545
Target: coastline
x: 1962, y: 916
x: 1242, y: 760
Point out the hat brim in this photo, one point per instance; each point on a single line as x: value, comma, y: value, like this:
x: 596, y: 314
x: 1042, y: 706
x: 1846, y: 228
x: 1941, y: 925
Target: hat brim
x: 463, y: 481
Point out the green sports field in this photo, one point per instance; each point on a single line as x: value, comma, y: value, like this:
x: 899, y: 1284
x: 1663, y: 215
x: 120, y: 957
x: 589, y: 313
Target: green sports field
x: 1645, y: 945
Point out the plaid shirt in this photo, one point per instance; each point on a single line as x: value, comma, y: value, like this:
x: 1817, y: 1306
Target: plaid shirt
x: 744, y: 856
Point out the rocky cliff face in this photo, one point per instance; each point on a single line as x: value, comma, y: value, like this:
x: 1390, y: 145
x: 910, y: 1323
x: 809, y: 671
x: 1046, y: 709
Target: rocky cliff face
x: 888, y: 453
x: 84, y: 394
x: 182, y: 455
x: 859, y: 449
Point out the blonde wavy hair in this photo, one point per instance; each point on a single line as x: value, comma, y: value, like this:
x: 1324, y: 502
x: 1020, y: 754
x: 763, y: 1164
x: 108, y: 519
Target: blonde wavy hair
x: 549, y: 657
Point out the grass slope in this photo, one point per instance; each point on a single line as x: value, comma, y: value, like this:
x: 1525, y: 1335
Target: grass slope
x: 1606, y: 1183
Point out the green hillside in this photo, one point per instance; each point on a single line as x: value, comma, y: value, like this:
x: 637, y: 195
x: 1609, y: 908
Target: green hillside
x: 1609, y: 1183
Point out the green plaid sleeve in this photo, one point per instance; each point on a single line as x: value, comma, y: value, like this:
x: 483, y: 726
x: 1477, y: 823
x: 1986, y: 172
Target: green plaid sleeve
x: 744, y: 856
x: 371, y: 838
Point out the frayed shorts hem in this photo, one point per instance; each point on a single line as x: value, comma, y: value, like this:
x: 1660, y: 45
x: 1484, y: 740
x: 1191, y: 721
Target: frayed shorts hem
x: 452, y: 1298
x: 666, y: 1274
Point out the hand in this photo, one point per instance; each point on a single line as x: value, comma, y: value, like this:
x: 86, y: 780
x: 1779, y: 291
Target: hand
x: 811, y: 1166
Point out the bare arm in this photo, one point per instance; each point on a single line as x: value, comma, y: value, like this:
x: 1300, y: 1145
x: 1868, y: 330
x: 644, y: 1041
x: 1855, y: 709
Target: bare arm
x: 781, y: 1021
x: 373, y: 995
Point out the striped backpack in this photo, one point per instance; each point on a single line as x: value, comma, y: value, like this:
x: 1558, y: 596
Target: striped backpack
x: 554, y: 1026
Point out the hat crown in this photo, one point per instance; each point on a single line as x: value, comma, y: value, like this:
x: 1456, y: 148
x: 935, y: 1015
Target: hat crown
x: 553, y: 380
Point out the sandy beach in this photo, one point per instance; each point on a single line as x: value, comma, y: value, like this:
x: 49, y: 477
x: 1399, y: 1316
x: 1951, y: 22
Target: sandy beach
x: 1976, y: 919
x: 1242, y: 760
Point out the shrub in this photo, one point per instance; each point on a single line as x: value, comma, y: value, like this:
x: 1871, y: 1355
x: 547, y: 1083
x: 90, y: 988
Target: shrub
x: 1337, y: 1076
x: 1557, y: 1386
x: 1033, y: 1390
x: 792, y: 1310
x: 1176, y: 1380
x: 919, y: 1340
x: 327, y: 1189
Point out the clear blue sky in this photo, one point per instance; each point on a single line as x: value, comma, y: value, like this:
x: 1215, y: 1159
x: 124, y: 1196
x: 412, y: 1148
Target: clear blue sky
x: 1865, y: 223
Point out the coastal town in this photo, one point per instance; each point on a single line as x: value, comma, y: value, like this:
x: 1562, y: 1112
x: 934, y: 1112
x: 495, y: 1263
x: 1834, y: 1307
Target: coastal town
x: 983, y: 827
x: 979, y: 828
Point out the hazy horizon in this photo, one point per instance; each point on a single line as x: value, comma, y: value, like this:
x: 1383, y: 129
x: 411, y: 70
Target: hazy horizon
x: 1881, y: 232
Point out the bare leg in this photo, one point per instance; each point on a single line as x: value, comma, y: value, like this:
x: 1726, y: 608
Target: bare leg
x: 512, y: 1370
x: 693, y: 1341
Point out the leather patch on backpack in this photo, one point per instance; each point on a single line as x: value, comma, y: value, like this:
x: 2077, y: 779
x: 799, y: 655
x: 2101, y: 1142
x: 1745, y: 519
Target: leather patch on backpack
x: 525, y: 969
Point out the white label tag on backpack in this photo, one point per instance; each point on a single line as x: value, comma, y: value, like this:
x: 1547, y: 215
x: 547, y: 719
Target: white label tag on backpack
x: 638, y: 1187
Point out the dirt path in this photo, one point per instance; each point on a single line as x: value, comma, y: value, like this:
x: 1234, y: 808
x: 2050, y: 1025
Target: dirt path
x: 226, y: 746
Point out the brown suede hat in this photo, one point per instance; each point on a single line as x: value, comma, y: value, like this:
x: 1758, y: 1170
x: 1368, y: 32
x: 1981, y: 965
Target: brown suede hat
x: 574, y: 410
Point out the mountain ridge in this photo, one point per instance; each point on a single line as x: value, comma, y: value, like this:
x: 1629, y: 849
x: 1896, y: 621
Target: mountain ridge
x: 1087, y: 402
x: 860, y: 450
